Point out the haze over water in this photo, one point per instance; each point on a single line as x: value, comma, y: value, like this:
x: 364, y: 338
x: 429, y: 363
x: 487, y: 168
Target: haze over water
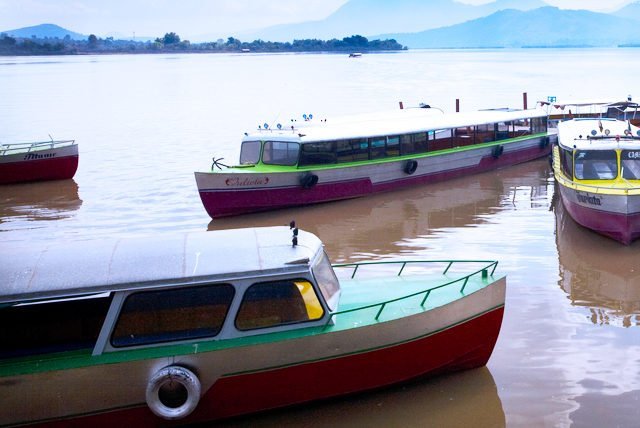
x: 570, y: 341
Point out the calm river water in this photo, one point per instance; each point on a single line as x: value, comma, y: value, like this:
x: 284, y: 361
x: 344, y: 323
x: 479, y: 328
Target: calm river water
x: 569, y: 349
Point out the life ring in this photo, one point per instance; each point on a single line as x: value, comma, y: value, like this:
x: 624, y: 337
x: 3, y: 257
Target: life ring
x: 309, y: 180
x: 497, y: 151
x: 410, y: 167
x: 173, y: 392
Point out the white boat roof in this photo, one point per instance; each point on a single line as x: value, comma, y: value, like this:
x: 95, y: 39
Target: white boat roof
x: 87, y: 267
x: 573, y: 134
x: 590, y: 105
x: 396, y: 122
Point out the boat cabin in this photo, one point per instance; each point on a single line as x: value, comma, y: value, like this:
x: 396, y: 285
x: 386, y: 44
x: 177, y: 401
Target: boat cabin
x: 599, y: 149
x: 621, y: 110
x: 410, y: 132
x: 103, y: 297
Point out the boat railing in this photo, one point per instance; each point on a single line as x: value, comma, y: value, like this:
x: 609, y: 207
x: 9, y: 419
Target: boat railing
x: 485, y: 272
x: 8, y: 149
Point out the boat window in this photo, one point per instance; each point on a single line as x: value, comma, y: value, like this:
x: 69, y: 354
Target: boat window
x: 393, y: 146
x: 463, y: 136
x: 486, y: 133
x: 377, y: 146
x: 539, y: 125
x: 352, y: 150
x: 173, y: 314
x: 280, y: 153
x: 270, y: 304
x: 318, y: 153
x: 504, y: 130
x: 413, y: 143
x: 630, y: 164
x: 52, y: 326
x: 442, y: 139
x: 566, y: 159
x: 326, y: 278
x: 521, y: 127
x: 249, y: 152
x: 596, y: 164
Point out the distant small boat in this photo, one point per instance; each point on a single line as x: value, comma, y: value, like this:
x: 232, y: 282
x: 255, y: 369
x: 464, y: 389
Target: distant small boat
x: 355, y: 55
x: 40, y: 161
x: 596, y: 164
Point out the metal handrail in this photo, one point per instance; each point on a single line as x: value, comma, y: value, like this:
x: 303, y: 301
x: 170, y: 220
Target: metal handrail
x: 27, y: 147
x: 483, y: 271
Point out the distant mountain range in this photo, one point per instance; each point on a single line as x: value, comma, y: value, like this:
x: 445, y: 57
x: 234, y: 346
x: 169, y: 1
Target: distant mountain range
x: 543, y: 27
x: 370, y: 17
x: 42, y: 31
x: 631, y: 11
x: 443, y: 24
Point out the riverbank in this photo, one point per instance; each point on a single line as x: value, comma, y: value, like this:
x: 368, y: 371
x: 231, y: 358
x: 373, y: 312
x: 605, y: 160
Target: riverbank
x: 171, y: 43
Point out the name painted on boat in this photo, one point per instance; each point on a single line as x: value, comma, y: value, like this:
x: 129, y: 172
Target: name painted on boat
x: 239, y: 182
x: 591, y: 200
x: 32, y: 156
x: 633, y: 155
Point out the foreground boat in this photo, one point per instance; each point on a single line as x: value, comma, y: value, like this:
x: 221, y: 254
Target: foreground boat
x: 194, y: 327
x: 597, y: 167
x: 319, y: 161
x: 45, y: 160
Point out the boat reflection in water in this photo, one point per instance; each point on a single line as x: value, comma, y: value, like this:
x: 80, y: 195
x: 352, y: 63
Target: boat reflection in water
x: 597, y: 273
x: 387, y: 224
x: 47, y: 200
x: 468, y: 398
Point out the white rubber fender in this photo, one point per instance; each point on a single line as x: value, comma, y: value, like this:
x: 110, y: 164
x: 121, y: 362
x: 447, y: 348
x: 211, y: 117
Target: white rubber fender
x: 186, y: 378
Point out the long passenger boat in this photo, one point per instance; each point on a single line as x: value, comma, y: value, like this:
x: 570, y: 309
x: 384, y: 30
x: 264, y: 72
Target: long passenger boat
x: 596, y: 164
x: 314, y: 161
x: 188, y: 328
x: 40, y: 161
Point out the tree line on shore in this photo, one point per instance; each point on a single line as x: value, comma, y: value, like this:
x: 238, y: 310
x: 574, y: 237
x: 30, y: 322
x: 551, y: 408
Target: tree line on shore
x: 171, y: 42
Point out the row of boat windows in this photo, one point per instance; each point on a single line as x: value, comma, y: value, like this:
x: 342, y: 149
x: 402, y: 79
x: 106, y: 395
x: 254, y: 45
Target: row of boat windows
x: 600, y: 164
x: 362, y: 149
x: 155, y: 316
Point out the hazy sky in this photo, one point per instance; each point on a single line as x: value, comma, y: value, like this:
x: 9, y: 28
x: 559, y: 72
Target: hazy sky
x: 192, y: 18
x: 595, y: 5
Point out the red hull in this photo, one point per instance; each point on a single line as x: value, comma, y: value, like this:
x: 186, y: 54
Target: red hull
x: 224, y: 203
x: 464, y: 346
x: 621, y: 227
x: 60, y: 168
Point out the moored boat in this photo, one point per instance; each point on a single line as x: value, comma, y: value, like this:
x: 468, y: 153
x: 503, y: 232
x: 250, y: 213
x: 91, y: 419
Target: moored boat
x: 40, y: 161
x: 332, y: 159
x: 188, y: 328
x: 596, y: 164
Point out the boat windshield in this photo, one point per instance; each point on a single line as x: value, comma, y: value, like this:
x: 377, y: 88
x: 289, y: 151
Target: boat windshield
x: 630, y: 164
x: 280, y: 153
x: 327, y: 280
x: 596, y: 164
x: 250, y: 152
